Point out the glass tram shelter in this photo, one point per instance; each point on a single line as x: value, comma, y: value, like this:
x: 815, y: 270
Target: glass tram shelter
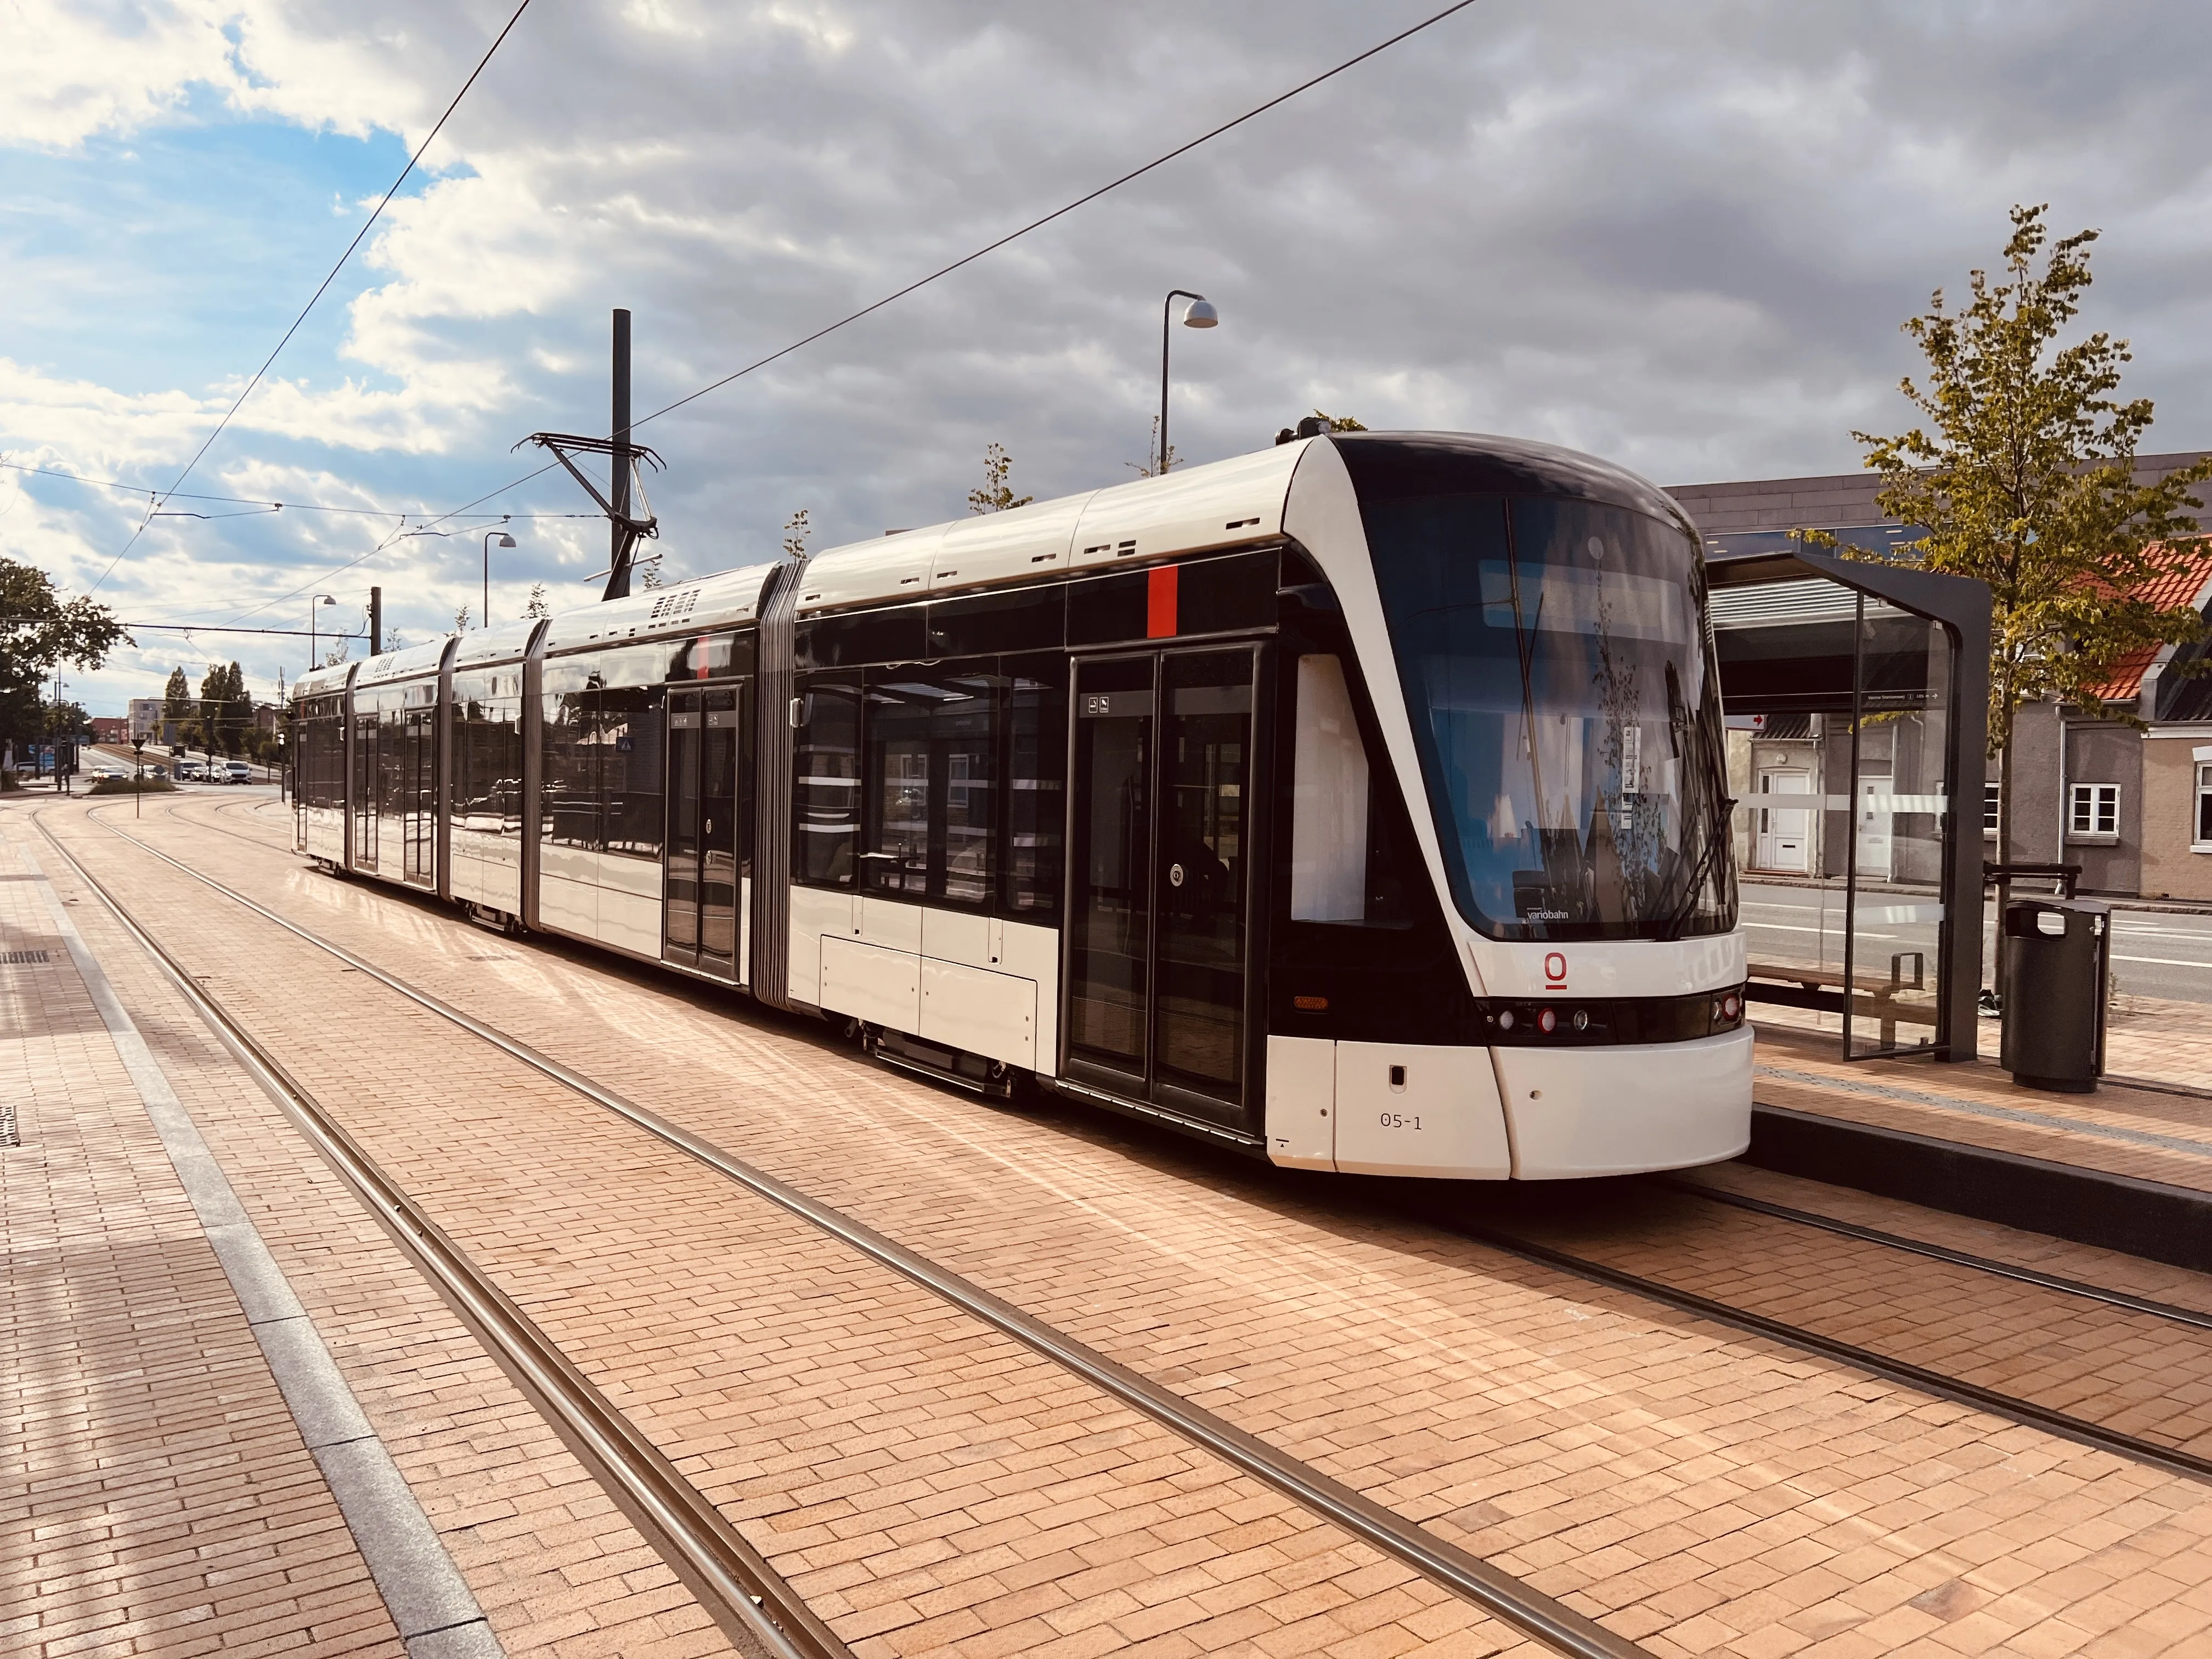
x: 1856, y: 694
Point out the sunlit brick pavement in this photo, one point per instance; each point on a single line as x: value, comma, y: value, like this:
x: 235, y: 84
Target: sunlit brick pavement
x: 2151, y: 1134
x: 156, y: 1496
x: 553, y: 1565
x: 1703, y: 1491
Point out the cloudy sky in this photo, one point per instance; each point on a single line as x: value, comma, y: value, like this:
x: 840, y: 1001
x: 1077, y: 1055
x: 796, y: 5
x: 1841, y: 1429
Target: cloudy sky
x: 1682, y: 236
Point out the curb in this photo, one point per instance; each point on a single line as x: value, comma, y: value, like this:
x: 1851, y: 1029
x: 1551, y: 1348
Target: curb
x: 2146, y: 1218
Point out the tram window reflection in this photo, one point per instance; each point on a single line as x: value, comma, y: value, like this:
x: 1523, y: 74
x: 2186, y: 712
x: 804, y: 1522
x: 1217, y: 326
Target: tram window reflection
x: 1569, y: 713
x: 826, y: 797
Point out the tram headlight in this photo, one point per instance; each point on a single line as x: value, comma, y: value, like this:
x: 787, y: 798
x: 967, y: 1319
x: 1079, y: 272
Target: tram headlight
x: 1727, y: 1011
x: 1547, y: 1022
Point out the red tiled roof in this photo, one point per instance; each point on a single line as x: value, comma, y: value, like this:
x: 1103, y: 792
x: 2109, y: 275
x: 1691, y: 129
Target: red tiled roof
x: 2184, y: 574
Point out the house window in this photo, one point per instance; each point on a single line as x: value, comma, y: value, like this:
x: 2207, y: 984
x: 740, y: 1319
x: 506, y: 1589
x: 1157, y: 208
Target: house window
x: 1991, y: 793
x: 2093, y: 811
x: 2203, y: 809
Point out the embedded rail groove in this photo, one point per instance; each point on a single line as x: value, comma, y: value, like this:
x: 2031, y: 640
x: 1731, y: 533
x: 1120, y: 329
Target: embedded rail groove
x: 1467, y: 1575
x: 735, y: 1583
x: 2171, y: 1459
x: 1960, y: 1391
x: 2133, y: 1304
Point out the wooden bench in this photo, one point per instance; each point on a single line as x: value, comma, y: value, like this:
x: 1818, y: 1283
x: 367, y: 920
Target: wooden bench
x: 1823, y: 988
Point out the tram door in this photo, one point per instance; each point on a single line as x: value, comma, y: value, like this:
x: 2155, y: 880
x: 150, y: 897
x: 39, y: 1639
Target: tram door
x: 1160, y: 879
x: 419, y: 796
x: 368, y: 773
x: 700, y: 890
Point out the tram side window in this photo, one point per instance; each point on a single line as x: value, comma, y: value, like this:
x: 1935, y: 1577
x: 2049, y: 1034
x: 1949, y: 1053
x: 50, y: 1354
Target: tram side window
x: 826, y: 801
x: 488, y: 753
x: 569, y: 785
x: 1036, y: 775
x: 321, y: 760
x: 931, y: 791
x: 897, y: 857
x: 1345, y: 862
x: 631, y: 774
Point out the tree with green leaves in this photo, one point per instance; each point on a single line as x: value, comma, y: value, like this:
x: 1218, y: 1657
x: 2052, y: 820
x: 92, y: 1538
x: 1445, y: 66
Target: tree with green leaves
x: 2023, y: 476
x: 39, y: 632
x: 177, y: 705
x: 536, y: 606
x: 237, y: 710
x: 997, y: 494
x: 215, y: 693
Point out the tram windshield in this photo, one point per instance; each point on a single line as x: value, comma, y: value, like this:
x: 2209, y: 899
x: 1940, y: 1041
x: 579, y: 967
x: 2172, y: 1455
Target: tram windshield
x: 1558, y: 666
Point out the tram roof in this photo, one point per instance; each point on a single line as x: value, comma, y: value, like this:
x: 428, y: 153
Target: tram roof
x: 321, y: 681
x: 1223, y: 504
x: 415, y: 659
x: 689, y: 607
x: 509, y: 643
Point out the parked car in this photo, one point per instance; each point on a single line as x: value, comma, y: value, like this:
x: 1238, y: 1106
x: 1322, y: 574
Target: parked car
x: 237, y: 772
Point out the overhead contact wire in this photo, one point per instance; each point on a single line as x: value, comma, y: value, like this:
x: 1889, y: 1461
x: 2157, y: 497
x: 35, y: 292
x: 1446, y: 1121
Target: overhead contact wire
x: 1133, y: 174
x: 321, y: 288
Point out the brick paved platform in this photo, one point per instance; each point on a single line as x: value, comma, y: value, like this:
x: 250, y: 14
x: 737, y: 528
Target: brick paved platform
x: 932, y: 1490
x: 156, y: 1494
x: 2128, y: 1166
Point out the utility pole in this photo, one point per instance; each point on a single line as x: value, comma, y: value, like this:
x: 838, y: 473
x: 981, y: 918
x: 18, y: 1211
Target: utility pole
x: 621, y: 537
x: 626, y: 525
x: 375, y: 622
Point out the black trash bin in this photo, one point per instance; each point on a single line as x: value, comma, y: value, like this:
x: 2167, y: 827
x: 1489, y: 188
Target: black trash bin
x: 2055, y: 967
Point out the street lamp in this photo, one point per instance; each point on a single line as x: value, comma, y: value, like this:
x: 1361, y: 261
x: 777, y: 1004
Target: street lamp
x: 1199, y: 313
x: 319, y: 599
x: 505, y: 540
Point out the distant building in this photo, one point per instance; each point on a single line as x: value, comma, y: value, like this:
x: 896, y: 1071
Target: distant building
x: 2132, y: 807
x: 109, y: 728
x: 146, y: 717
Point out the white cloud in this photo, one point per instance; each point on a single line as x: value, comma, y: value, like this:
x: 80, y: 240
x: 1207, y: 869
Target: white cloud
x: 1682, y: 236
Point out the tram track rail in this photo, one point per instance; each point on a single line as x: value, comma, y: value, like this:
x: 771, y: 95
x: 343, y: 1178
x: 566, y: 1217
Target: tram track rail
x: 1958, y: 1391
x: 2172, y: 1460
x: 1990, y: 1265
x: 1508, y: 1599
x: 2015, y: 1272
x: 735, y: 1584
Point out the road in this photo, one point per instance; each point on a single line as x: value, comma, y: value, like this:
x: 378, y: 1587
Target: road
x: 2155, y: 954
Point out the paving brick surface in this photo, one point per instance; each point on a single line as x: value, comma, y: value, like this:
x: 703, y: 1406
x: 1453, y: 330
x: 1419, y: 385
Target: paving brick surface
x: 925, y: 1483
x: 556, y: 1568
x: 2151, y: 1134
x: 156, y: 1496
x: 1710, y: 1492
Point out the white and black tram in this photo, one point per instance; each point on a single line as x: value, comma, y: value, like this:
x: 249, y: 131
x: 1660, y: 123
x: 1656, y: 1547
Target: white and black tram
x: 1360, y: 802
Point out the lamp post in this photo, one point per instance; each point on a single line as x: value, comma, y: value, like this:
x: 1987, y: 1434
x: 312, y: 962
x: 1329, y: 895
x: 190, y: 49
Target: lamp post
x: 319, y: 599
x: 1199, y: 313
x: 505, y: 540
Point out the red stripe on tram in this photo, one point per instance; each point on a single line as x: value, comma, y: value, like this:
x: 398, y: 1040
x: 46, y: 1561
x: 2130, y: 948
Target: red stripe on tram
x: 1160, y: 603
